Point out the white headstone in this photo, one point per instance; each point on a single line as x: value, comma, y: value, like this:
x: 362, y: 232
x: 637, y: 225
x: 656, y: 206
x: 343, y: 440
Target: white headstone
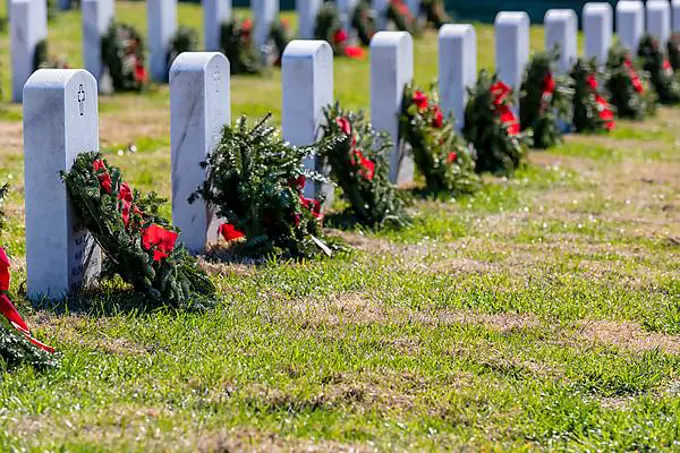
x: 199, y: 108
x: 346, y: 10
x: 512, y: 47
x: 675, y: 7
x: 60, y: 122
x: 161, y: 17
x: 307, y: 11
x: 598, y: 29
x: 457, y: 68
x: 215, y: 13
x: 659, y: 20
x: 380, y: 7
x: 561, y: 28
x: 391, y: 71
x: 97, y: 16
x: 265, y: 12
x: 307, y: 77
x: 630, y: 23
x: 27, y: 28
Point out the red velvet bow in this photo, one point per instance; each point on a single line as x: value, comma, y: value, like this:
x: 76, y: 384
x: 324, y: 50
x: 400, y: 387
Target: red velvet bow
x: 634, y: 78
x: 500, y: 92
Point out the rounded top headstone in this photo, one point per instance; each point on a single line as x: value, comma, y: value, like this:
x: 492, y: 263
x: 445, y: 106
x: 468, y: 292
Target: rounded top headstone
x: 196, y: 61
x: 629, y: 6
x: 305, y: 48
x: 597, y: 7
x: 457, y: 30
x: 511, y: 18
x: 390, y: 39
x: 558, y: 15
x: 56, y: 79
x: 658, y: 5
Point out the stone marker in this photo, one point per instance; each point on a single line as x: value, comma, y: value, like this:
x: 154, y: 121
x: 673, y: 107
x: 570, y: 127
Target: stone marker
x: 512, y: 48
x: 307, y: 11
x: 199, y: 108
x: 598, y: 28
x: 675, y: 10
x: 630, y: 23
x: 391, y: 70
x: 161, y: 17
x: 97, y: 16
x: 307, y: 77
x: 380, y: 7
x: 659, y: 20
x: 561, y: 28
x: 27, y: 28
x: 265, y: 12
x: 346, y: 10
x: 215, y: 13
x: 457, y: 68
x: 60, y: 122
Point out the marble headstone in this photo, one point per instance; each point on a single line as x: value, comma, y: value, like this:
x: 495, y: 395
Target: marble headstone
x: 659, y: 20
x: 307, y: 11
x: 215, y: 13
x: 161, y: 17
x: 380, y: 7
x: 675, y: 13
x: 265, y: 12
x: 512, y: 47
x: 561, y: 28
x: 27, y: 28
x: 97, y: 16
x: 457, y: 68
x: 60, y: 122
x: 346, y: 10
x: 598, y: 28
x: 630, y: 23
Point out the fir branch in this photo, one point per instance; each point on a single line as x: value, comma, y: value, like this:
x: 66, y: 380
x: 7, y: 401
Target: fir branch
x: 660, y: 70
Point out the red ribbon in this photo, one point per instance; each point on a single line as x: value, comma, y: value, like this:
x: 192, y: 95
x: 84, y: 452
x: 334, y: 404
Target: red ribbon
x: 604, y: 110
x: 634, y: 78
x: 548, y: 90
x: 500, y: 92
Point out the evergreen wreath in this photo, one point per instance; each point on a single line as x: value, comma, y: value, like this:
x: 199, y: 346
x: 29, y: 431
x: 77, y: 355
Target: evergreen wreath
x: 360, y: 166
x: 185, y: 39
x: 255, y: 182
x: 492, y: 127
x: 673, y: 50
x: 592, y: 112
x: 139, y: 245
x: 435, y: 12
x: 399, y: 13
x: 660, y: 70
x: 17, y: 345
x: 329, y: 28
x: 626, y: 86
x: 439, y: 153
x: 363, y: 21
x: 236, y: 43
x: 545, y: 100
x: 43, y: 60
x: 123, y: 55
x: 279, y: 37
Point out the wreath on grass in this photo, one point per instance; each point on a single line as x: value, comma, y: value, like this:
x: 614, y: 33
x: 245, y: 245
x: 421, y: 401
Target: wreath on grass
x: 279, y: 37
x: 123, y: 55
x: 673, y: 50
x: 43, y: 60
x: 592, y: 112
x: 660, y: 70
x: 363, y: 21
x: 185, y: 39
x: 439, y: 153
x: 17, y: 345
x: 236, y: 43
x: 435, y: 12
x: 546, y: 100
x: 329, y: 28
x: 255, y: 182
x: 402, y: 17
x: 139, y: 245
x: 360, y: 166
x: 626, y: 86
x: 492, y: 128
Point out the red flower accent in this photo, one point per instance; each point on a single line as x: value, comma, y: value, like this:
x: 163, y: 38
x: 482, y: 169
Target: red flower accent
x: 161, y: 240
x: 548, y: 85
x: 339, y: 36
x: 354, y: 52
x: 103, y: 175
x: 591, y: 81
x: 500, y: 91
x: 438, y: 119
x: 247, y: 25
x: 140, y: 72
x: 667, y: 65
x: 125, y: 197
x: 229, y: 232
x: 635, y: 80
x: 313, y: 205
x: 298, y: 183
x: 420, y: 100
x: 4, y: 270
x: 344, y: 125
x: 509, y: 119
x: 605, y: 112
x: 366, y: 165
x: 451, y: 157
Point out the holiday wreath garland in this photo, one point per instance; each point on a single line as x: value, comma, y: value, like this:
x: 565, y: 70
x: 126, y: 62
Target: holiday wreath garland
x: 255, y: 182
x: 435, y: 12
x: 660, y: 70
x: 546, y: 100
x: 493, y: 128
x: 360, y: 166
x: 139, y: 245
x: 673, y: 50
x: 402, y: 17
x: 439, y: 153
x: 279, y: 37
x: 592, y: 112
x: 123, y: 55
x: 185, y: 39
x: 328, y: 27
x: 626, y: 86
x: 363, y: 21
x: 43, y: 60
x: 236, y: 43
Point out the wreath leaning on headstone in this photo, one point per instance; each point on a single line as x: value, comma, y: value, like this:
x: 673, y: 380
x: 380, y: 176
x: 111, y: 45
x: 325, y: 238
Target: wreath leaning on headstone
x: 592, y: 112
x: 660, y: 70
x: 402, y: 17
x: 493, y: 128
x: 626, y: 85
x: 236, y: 43
x: 435, y: 12
x: 328, y: 27
x: 673, y: 50
x: 255, y: 182
x: 279, y: 37
x: 185, y: 39
x: 123, y: 56
x: 439, y: 153
x: 545, y: 100
x: 139, y: 245
x: 363, y: 21
x: 359, y: 164
x: 43, y: 60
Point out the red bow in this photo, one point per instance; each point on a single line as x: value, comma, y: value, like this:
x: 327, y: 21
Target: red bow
x: 500, y: 92
x: 604, y: 110
x: 366, y: 165
x: 548, y: 90
x: 634, y: 78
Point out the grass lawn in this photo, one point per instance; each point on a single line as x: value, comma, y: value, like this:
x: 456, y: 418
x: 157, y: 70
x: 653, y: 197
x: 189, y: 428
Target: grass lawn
x: 541, y: 313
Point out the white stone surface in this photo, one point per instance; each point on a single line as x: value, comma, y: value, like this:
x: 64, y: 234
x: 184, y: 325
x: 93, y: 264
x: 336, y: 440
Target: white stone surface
x: 659, y: 20
x: 265, y: 12
x: 598, y: 27
x: 161, y: 17
x: 215, y: 13
x: 307, y: 11
x: 27, y: 28
x: 630, y: 23
x: 561, y: 28
x: 675, y: 13
x: 97, y: 16
x: 307, y: 78
x: 380, y: 7
x: 512, y: 47
x: 346, y: 10
x: 60, y: 122
x: 199, y: 108
x: 391, y: 71
x: 457, y: 68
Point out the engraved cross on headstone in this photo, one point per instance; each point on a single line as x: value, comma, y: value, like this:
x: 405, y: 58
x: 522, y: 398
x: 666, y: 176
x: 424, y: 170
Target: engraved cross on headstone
x: 81, y: 100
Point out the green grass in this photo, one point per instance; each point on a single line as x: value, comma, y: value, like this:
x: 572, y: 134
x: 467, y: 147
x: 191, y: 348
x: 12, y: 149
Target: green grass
x: 541, y: 313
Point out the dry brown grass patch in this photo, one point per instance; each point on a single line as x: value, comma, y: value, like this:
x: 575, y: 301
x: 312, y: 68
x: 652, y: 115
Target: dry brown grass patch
x: 629, y: 336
